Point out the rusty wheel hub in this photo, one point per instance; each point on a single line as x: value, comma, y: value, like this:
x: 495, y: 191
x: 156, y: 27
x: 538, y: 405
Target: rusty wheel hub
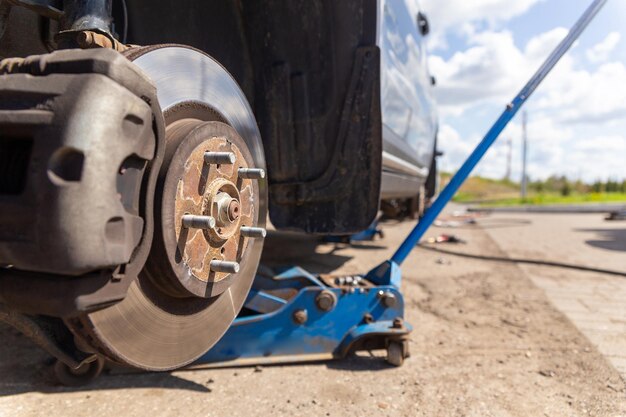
x: 208, y: 196
x: 210, y: 189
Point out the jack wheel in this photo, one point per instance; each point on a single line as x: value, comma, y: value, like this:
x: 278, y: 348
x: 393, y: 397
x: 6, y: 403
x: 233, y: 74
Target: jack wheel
x: 82, y: 375
x: 397, y: 351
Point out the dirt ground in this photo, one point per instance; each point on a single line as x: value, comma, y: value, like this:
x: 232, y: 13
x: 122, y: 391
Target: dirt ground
x: 486, y: 342
x: 593, y: 302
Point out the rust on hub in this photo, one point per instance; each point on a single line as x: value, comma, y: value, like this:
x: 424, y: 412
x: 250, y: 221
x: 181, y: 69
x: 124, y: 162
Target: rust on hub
x: 213, y: 190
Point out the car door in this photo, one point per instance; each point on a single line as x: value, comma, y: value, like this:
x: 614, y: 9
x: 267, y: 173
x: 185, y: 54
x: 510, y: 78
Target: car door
x: 408, y: 111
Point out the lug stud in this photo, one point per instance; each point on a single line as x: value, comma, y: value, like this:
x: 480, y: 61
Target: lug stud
x: 251, y: 173
x: 191, y: 221
x: 224, y: 266
x: 253, y: 232
x: 226, y: 158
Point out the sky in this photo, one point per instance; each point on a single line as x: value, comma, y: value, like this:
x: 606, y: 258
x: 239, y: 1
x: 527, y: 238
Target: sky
x: 482, y: 52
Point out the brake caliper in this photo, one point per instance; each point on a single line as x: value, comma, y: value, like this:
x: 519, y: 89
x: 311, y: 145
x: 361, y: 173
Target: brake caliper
x: 81, y: 143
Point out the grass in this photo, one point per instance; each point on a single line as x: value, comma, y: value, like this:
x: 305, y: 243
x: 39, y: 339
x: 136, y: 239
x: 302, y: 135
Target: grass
x: 555, y: 198
x: 490, y: 192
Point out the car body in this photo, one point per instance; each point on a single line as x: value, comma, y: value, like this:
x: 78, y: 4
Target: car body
x: 409, y: 118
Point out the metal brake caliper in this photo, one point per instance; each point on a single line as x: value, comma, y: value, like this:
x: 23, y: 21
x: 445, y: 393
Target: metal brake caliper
x: 82, y: 142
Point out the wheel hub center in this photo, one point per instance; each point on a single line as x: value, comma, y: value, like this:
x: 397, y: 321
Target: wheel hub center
x: 233, y: 210
x: 227, y: 209
x: 213, y: 183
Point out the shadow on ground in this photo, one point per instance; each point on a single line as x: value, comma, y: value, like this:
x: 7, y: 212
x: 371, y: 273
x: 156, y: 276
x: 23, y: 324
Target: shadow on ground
x: 358, y: 361
x: 35, y: 374
x: 26, y: 368
x: 306, y: 251
x: 610, y: 239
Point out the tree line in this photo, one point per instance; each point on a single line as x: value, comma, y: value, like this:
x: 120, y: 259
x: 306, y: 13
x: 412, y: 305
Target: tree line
x: 565, y: 187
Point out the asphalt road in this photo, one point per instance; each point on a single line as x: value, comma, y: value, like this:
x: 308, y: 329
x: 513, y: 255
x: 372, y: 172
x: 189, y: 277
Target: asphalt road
x: 488, y: 340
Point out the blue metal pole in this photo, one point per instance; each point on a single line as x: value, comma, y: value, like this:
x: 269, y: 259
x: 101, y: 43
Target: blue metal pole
x: 511, y: 109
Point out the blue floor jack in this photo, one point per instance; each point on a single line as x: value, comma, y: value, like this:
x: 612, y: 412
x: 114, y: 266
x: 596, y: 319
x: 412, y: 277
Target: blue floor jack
x: 292, y: 316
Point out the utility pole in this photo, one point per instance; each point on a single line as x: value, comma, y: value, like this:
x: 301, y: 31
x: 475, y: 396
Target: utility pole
x: 509, y: 156
x: 524, y: 151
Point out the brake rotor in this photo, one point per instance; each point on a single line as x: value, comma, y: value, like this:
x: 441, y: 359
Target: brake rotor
x: 201, y: 265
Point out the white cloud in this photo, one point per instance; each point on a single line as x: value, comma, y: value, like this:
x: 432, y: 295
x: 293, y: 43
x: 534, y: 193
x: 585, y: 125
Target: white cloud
x: 540, y: 46
x: 455, y: 148
x: 596, y: 157
x: 602, y: 50
x: 446, y: 15
x: 553, y: 149
x: 571, y: 113
x: 491, y: 68
x: 582, y: 96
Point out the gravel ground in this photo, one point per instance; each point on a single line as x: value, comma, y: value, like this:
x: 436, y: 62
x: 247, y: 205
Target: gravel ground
x: 594, y: 302
x: 486, y: 342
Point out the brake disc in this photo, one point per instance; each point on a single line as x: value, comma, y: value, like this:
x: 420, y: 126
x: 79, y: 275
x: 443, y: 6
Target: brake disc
x: 198, y: 274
